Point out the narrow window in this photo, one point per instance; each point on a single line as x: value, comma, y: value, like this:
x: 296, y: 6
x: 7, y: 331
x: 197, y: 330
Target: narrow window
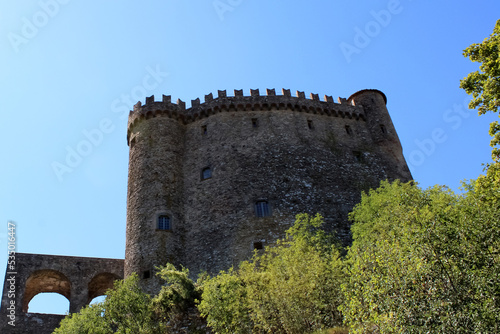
x: 255, y: 122
x: 203, y: 129
x: 163, y: 222
x: 258, y: 245
x: 382, y: 128
x: 358, y: 156
x: 262, y: 209
x: 146, y: 274
x: 348, y: 130
x: 310, y: 124
x: 206, y: 173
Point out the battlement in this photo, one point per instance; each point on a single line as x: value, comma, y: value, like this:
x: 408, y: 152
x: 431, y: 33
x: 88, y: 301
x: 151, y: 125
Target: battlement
x: 239, y: 102
x: 229, y: 173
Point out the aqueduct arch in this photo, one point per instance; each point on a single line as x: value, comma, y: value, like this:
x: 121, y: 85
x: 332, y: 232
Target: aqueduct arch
x: 100, y: 284
x: 76, y: 278
x: 45, y: 280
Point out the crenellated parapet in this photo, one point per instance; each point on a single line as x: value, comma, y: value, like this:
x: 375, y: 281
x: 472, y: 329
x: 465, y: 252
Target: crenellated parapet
x: 210, y: 184
x: 344, y: 108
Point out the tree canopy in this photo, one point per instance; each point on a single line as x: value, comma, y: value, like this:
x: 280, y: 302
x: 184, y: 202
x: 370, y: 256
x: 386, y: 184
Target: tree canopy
x: 293, y: 287
x: 484, y: 85
x: 126, y: 309
x: 424, y: 261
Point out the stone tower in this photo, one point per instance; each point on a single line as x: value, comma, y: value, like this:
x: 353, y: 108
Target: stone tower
x: 211, y: 183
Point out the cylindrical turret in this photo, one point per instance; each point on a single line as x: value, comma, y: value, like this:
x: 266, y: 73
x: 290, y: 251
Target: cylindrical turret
x: 382, y: 129
x: 154, y: 199
x: 210, y: 184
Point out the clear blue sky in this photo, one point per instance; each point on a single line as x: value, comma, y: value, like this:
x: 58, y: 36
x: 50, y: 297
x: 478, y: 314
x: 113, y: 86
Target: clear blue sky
x: 74, y: 68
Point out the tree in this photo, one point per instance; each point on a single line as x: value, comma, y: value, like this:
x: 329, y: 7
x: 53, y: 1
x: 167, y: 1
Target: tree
x: 224, y: 304
x: 175, y: 303
x: 293, y: 287
x: 126, y: 309
x: 484, y: 85
x: 429, y: 260
x: 425, y: 260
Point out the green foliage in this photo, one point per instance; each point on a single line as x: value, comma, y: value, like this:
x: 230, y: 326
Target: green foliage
x: 484, y: 85
x: 290, y: 288
x: 336, y: 330
x: 88, y: 321
x: 178, y: 294
x: 224, y: 304
x: 425, y: 260
x: 126, y: 310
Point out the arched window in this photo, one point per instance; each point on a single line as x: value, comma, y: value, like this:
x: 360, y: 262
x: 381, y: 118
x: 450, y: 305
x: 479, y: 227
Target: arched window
x: 206, y: 173
x: 262, y: 208
x: 163, y: 222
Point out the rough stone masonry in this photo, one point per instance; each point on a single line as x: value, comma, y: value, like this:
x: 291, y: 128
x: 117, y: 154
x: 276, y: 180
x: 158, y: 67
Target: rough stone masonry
x: 230, y: 174
x: 209, y: 184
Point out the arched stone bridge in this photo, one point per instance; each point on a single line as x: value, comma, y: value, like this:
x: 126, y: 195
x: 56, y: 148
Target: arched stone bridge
x: 79, y: 279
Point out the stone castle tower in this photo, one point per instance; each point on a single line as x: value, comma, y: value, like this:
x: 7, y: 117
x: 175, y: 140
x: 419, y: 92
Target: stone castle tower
x: 209, y: 184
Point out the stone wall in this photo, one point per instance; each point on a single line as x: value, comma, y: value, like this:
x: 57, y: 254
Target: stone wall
x: 298, y: 155
x: 79, y: 279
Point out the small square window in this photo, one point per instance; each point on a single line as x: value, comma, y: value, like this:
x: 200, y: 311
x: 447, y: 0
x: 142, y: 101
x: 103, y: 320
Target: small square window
x: 146, y: 274
x: 255, y: 122
x: 358, y: 156
x: 348, y: 130
x: 258, y: 245
x: 206, y: 173
x: 262, y: 209
x: 163, y: 222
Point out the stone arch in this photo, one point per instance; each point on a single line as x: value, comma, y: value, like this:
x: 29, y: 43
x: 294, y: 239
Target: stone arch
x: 100, y: 284
x: 46, y: 280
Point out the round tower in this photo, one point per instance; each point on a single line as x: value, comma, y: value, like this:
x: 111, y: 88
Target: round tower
x: 211, y: 184
x: 154, y: 198
x: 382, y: 130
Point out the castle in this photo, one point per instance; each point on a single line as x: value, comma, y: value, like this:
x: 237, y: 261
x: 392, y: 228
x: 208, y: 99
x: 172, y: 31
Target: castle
x: 209, y: 184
